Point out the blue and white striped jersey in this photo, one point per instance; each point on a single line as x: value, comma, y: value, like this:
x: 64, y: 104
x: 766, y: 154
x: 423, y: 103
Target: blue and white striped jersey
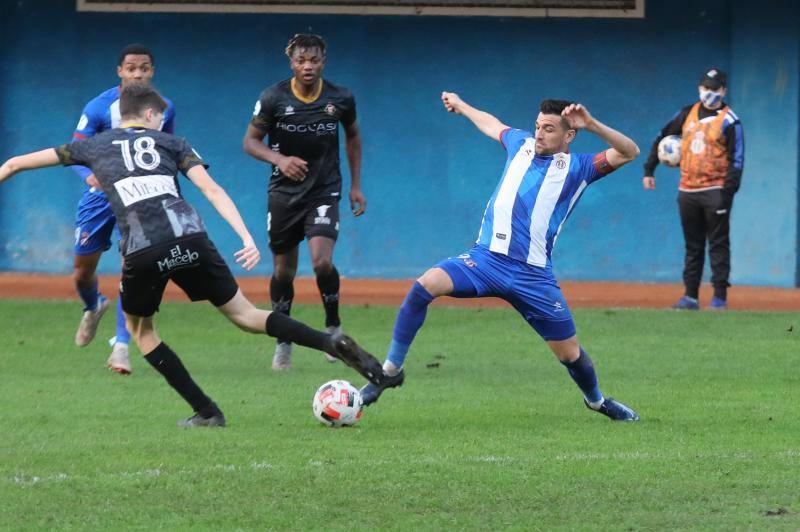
x: 534, y: 198
x: 102, y: 114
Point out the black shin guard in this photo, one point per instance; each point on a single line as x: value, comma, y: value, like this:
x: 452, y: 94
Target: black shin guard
x: 167, y: 363
x: 281, y: 326
x: 328, y: 284
x: 281, y: 293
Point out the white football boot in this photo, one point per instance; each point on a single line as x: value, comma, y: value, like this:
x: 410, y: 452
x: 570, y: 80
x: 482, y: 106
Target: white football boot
x: 119, y: 360
x: 283, y: 357
x: 89, y: 322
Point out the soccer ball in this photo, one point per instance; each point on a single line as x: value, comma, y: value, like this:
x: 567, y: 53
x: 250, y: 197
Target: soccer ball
x: 669, y: 150
x: 338, y: 404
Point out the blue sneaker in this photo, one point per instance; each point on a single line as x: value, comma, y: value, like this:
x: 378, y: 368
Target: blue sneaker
x: 687, y: 303
x: 718, y: 304
x: 615, y: 410
x: 371, y: 392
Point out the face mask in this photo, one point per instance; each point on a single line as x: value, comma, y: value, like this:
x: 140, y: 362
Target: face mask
x: 710, y: 98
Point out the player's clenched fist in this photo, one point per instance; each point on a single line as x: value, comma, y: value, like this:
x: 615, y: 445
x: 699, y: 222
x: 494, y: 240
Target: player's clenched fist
x: 577, y: 116
x: 452, y: 102
x: 294, y: 168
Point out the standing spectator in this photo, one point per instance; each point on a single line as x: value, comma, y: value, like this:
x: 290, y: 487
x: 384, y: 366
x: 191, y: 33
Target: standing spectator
x: 712, y: 159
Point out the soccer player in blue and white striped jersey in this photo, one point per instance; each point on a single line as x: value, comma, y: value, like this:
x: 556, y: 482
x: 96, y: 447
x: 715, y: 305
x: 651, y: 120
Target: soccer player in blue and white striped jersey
x: 541, y: 184
x: 94, y: 220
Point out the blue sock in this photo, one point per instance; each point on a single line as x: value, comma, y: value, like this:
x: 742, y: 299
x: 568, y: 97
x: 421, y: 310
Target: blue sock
x: 410, y: 318
x: 89, y: 296
x: 123, y: 336
x: 582, y: 372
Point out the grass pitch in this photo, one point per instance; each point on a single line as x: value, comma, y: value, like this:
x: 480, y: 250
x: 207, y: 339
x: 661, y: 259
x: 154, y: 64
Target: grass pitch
x: 489, y: 431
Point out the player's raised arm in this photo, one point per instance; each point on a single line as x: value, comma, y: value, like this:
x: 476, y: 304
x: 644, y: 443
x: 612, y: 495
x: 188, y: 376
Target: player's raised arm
x: 29, y: 161
x: 249, y: 255
x: 488, y: 124
x: 623, y: 150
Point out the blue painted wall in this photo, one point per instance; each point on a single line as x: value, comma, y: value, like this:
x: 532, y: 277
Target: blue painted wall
x: 765, y: 51
x: 427, y: 175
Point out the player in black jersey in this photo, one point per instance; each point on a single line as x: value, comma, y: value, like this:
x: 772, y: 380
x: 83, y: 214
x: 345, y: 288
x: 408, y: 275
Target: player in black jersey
x: 164, y: 238
x: 301, y: 115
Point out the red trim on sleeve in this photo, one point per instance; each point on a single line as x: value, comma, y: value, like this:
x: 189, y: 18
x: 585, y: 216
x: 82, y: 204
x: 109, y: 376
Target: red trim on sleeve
x: 79, y: 136
x: 506, y: 130
x: 601, y: 164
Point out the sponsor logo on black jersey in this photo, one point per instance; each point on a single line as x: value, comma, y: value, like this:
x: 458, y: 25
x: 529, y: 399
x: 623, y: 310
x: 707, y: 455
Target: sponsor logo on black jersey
x: 178, y: 258
x: 320, y: 128
x: 141, y: 187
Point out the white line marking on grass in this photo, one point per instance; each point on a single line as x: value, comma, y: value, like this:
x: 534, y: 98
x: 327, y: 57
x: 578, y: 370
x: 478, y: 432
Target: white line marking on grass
x: 26, y: 479
x: 492, y: 459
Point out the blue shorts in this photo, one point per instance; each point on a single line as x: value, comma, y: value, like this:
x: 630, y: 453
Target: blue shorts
x: 532, y: 290
x: 94, y: 224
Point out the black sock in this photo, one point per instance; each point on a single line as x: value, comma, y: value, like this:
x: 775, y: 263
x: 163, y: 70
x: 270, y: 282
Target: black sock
x: 582, y: 372
x: 721, y: 292
x: 281, y: 326
x: 281, y: 293
x: 166, y: 362
x: 328, y: 284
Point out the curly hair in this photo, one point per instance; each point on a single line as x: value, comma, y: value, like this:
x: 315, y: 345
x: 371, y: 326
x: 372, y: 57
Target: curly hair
x: 135, y: 49
x: 305, y: 40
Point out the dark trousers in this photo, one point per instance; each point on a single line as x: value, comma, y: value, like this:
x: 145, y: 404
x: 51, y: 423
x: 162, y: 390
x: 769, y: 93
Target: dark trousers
x: 701, y: 222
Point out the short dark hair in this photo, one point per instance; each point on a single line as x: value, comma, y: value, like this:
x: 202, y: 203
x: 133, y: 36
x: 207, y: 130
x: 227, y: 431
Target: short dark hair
x: 305, y: 40
x: 555, y: 107
x: 136, y: 98
x: 135, y: 49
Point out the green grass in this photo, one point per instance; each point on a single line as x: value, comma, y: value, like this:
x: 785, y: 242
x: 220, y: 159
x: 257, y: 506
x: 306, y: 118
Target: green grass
x: 494, y: 436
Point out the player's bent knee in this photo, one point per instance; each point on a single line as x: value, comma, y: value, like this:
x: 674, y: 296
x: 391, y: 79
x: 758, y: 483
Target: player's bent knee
x: 284, y: 275
x: 322, y: 266
x: 83, y: 275
x: 568, y: 350
x: 436, y: 282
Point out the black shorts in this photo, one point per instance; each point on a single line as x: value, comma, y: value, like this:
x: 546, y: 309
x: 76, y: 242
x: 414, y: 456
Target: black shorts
x: 288, y: 225
x: 193, y: 263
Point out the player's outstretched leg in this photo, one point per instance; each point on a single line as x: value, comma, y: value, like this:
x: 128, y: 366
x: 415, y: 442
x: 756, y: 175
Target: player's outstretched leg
x: 119, y: 360
x: 581, y: 369
x: 167, y: 363
x: 434, y: 283
x: 251, y: 319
